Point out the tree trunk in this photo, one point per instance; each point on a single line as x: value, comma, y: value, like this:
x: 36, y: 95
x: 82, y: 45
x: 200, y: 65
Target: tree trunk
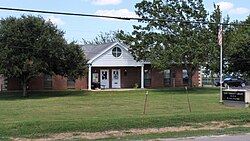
x: 190, y: 72
x: 190, y: 82
x: 24, y: 89
x: 24, y: 86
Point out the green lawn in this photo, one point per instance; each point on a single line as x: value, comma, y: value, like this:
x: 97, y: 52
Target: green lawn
x: 44, y: 113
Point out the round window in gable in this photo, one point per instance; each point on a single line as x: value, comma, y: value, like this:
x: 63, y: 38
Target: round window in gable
x: 116, y: 52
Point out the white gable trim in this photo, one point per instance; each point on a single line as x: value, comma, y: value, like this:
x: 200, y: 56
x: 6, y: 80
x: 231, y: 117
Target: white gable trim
x: 100, y: 54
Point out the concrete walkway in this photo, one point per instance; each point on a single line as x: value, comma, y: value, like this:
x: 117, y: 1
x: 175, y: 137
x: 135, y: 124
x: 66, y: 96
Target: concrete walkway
x: 130, y: 89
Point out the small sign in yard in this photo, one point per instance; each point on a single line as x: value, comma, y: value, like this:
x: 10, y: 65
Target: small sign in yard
x: 233, y: 95
x: 236, y: 97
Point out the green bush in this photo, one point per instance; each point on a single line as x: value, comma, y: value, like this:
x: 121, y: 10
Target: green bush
x: 135, y: 85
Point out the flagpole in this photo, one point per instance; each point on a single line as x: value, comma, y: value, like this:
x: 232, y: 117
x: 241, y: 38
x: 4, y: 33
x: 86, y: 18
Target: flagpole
x: 221, y: 61
x: 221, y: 74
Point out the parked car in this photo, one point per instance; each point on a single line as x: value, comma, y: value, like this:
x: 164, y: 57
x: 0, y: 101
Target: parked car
x: 230, y: 81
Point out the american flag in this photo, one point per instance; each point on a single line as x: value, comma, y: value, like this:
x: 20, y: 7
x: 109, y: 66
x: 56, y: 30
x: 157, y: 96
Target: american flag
x: 220, y: 35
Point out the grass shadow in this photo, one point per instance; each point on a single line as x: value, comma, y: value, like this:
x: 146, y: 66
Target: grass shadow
x: 182, y: 90
x: 17, y: 95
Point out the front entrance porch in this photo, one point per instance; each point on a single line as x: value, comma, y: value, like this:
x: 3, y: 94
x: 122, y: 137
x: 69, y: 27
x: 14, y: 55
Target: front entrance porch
x: 104, y: 78
x: 115, y: 77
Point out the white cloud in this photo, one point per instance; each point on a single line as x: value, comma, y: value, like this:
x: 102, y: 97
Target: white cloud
x: 229, y: 8
x: 55, y: 20
x: 117, y: 13
x: 239, y: 11
x: 106, y: 2
x: 225, y: 5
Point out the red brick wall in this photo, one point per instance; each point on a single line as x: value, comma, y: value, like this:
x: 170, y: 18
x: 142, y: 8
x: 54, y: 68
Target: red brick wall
x: 128, y: 79
x: 13, y: 84
x: 36, y: 83
x: 58, y: 83
x: 195, y: 78
x: 157, y: 78
x: 81, y: 83
x: 178, y: 76
x: 133, y: 76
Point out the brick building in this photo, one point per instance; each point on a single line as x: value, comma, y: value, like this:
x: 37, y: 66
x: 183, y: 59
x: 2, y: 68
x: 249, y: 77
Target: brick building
x: 112, y: 66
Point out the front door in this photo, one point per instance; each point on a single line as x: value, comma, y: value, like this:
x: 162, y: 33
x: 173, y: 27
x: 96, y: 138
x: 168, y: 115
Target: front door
x: 104, y: 79
x: 116, y: 79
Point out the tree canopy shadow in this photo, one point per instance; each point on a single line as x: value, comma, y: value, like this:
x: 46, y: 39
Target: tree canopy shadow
x: 182, y: 90
x: 17, y: 95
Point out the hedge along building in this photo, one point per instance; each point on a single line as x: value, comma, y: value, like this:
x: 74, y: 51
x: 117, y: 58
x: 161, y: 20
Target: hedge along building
x: 111, y: 65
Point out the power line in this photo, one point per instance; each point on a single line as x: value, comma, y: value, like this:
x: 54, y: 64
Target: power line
x: 63, y: 13
x: 113, y: 17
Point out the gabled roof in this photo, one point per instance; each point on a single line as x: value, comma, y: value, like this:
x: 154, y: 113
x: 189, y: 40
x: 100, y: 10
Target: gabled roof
x: 94, y: 51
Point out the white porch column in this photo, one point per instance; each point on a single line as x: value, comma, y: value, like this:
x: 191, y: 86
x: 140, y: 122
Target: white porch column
x: 142, y: 76
x: 89, y: 78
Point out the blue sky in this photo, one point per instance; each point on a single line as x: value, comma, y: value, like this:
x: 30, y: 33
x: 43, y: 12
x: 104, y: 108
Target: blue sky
x: 77, y: 28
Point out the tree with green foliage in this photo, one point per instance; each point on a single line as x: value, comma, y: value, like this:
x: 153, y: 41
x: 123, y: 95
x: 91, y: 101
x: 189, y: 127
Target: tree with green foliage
x: 175, y: 41
x: 31, y: 46
x: 239, y: 60
x: 103, y: 37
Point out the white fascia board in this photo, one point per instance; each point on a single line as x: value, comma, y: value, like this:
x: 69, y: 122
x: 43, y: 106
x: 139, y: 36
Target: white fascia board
x: 122, y: 46
x: 116, y: 43
x: 100, y: 54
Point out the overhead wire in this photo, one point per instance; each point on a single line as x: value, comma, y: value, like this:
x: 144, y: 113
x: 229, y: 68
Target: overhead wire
x: 114, y: 17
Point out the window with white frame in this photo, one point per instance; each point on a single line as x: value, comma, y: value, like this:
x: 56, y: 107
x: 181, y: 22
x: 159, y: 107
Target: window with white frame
x: 167, y: 76
x: 147, y: 77
x: 116, y: 52
x: 184, y: 76
x: 95, y: 77
x: 47, y: 81
x: 70, y: 82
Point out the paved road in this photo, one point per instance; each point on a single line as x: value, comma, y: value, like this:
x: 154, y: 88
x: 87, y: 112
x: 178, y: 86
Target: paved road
x: 247, y: 87
x: 243, y: 137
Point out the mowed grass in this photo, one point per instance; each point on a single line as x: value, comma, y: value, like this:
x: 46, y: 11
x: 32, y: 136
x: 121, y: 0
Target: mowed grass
x: 45, y: 113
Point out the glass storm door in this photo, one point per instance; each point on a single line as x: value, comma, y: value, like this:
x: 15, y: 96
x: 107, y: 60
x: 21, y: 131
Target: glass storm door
x: 116, y: 78
x: 105, y: 78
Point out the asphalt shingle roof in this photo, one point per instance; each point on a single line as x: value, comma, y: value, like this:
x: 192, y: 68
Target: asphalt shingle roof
x: 93, y: 50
